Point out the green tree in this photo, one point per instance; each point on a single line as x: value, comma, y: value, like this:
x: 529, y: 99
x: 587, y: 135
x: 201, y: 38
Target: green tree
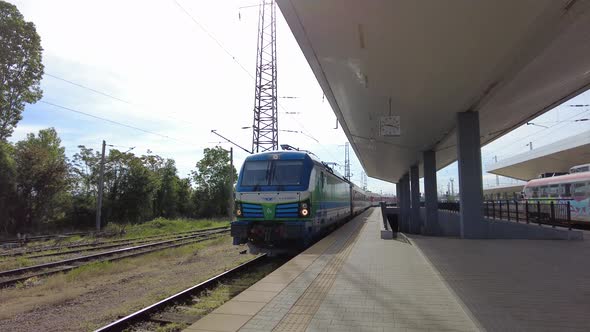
x: 136, y: 189
x: 212, y: 178
x: 167, y: 195
x: 7, y: 188
x: 183, y: 194
x: 42, y: 178
x: 85, y: 167
x: 21, y: 68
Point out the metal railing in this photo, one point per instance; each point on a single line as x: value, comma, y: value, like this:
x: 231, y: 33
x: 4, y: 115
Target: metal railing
x: 449, y: 206
x: 551, y: 212
x: 555, y: 212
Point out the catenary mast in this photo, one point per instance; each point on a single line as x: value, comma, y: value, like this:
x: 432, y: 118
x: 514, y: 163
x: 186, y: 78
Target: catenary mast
x: 265, y: 127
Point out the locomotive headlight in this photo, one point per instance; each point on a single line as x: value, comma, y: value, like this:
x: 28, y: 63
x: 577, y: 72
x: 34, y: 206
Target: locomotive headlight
x: 238, y: 209
x: 304, y: 209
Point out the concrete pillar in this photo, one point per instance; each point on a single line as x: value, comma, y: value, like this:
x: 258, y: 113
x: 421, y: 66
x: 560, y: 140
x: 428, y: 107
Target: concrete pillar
x: 397, y: 191
x: 470, y: 177
x: 415, y: 220
x: 405, y: 191
x: 398, y: 198
x: 401, y: 203
x: 430, y: 194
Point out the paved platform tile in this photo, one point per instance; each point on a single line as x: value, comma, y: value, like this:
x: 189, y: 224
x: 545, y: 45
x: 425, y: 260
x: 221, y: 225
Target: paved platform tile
x: 349, y: 281
x: 220, y: 322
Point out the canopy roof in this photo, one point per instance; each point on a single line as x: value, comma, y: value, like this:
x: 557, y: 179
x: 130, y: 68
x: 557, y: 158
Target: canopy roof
x: 555, y: 157
x: 427, y: 60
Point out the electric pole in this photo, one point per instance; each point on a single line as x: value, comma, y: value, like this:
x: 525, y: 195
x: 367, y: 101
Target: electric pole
x: 100, y: 187
x: 231, y: 185
x: 364, y: 180
x: 265, y: 129
x: 497, y: 177
x: 346, y: 162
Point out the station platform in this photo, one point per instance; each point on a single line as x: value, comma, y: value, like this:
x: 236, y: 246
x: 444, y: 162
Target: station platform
x: 354, y: 281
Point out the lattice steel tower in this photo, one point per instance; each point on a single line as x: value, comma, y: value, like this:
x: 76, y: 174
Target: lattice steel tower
x: 346, y: 162
x: 265, y: 136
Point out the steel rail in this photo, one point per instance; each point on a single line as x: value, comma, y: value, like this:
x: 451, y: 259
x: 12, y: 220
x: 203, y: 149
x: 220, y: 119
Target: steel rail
x: 181, y: 242
x: 42, y: 237
x: 108, y: 245
x: 143, y: 314
x: 77, y: 245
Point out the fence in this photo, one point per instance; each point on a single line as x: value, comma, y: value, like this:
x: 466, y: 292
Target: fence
x: 551, y: 212
x: 449, y: 206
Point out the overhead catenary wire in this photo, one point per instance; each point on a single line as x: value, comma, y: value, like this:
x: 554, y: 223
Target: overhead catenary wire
x: 517, y: 140
x: 544, y: 131
x: 210, y: 35
x: 111, y: 121
x: 88, y: 88
x: 108, y: 95
x: 304, y: 132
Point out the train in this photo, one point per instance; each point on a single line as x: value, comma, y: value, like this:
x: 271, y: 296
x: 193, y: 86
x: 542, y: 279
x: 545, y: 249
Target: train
x: 286, y: 200
x: 507, y: 192
x: 573, y: 187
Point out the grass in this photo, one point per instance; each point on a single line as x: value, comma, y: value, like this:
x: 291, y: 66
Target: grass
x: 209, y: 300
x: 94, y: 270
x: 62, y: 287
x: 58, y: 241
x: 174, y: 327
x: 158, y: 226
x: 161, y: 226
x: 17, y: 263
x: 97, y: 269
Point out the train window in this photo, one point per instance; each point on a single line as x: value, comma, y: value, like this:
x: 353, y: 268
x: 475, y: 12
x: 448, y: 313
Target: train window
x: 580, y: 189
x: 554, y: 190
x: 535, y: 192
x: 544, y: 191
x: 566, y: 190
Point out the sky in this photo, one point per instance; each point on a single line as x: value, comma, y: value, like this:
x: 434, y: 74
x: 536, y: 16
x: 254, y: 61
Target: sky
x: 175, y: 70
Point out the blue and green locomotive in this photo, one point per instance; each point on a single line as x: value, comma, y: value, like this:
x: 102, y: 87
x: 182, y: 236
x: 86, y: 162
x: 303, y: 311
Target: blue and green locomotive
x: 288, y: 199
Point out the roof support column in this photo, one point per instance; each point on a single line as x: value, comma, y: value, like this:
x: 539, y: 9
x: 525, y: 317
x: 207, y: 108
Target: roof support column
x: 397, y: 192
x: 416, y: 222
x: 470, y: 177
x: 430, y: 194
x: 405, y: 202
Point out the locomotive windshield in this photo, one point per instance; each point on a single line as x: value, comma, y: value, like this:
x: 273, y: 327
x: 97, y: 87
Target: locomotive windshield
x: 256, y: 173
x: 287, y: 172
x: 272, y: 173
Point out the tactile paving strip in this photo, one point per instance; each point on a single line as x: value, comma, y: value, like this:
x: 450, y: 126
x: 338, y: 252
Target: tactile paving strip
x: 299, y: 316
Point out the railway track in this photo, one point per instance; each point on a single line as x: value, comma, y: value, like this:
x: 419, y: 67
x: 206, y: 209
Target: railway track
x: 184, y: 296
x: 112, y: 242
x: 11, y: 277
x: 9, y: 243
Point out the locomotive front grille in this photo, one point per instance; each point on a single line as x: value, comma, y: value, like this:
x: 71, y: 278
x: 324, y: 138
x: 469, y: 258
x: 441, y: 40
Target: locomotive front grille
x: 290, y: 210
x: 252, y: 211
